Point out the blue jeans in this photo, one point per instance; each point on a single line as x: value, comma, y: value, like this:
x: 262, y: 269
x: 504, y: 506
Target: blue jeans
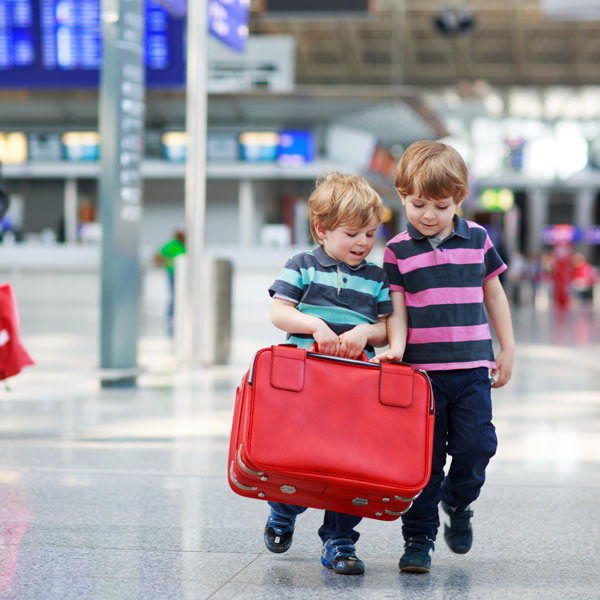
x: 463, y: 430
x: 335, y: 525
x: 170, y: 304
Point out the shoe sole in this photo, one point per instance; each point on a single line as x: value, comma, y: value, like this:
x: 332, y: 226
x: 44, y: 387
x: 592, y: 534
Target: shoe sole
x: 449, y: 543
x: 415, y: 569
x: 329, y: 565
x: 278, y: 548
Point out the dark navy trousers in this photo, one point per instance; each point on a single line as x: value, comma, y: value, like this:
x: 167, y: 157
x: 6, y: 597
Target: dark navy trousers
x: 464, y: 431
x: 335, y: 525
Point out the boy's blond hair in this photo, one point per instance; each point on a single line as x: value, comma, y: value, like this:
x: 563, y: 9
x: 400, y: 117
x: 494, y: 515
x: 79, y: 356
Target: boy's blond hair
x: 432, y: 170
x: 342, y: 200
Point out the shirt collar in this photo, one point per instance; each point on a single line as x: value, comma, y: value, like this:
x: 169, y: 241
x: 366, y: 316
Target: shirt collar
x: 327, y: 261
x: 461, y: 229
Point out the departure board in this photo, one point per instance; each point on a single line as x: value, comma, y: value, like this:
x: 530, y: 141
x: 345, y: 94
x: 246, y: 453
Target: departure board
x: 58, y: 43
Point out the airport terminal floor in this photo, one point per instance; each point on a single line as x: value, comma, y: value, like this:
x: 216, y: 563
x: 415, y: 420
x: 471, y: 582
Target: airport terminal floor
x: 110, y: 494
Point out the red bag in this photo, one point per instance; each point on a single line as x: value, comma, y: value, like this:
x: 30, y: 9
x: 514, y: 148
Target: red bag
x: 326, y: 432
x: 13, y: 357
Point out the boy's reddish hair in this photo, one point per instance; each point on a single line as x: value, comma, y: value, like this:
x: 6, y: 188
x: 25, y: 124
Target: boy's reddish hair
x: 432, y: 170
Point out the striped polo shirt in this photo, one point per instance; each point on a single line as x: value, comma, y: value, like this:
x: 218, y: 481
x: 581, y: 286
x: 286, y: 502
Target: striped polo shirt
x: 443, y: 290
x: 341, y: 295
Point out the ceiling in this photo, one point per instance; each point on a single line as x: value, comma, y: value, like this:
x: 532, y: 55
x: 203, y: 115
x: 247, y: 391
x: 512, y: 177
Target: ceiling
x: 512, y: 42
x: 393, y: 114
x: 391, y: 72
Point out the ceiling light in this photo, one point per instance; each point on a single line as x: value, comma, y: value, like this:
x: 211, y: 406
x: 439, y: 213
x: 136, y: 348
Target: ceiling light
x: 454, y: 21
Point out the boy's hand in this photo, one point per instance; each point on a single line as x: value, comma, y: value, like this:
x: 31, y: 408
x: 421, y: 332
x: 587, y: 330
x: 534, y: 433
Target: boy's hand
x: 353, y: 342
x: 326, y: 340
x: 503, y: 370
x: 390, y: 355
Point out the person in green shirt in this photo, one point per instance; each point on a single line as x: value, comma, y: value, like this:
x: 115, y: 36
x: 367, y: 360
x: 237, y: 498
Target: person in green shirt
x: 165, y: 257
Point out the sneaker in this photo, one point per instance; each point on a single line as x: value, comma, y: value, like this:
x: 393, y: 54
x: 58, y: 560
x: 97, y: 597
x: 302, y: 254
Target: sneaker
x: 279, y: 532
x: 459, y: 534
x: 340, y: 555
x: 417, y: 555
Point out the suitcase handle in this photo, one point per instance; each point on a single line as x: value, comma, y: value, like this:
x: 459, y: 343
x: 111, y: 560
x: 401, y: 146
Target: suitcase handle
x: 363, y: 355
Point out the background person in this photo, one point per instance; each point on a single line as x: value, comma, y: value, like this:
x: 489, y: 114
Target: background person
x: 165, y: 257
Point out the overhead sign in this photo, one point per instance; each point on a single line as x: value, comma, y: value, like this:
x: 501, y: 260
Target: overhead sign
x: 178, y: 8
x: 58, y: 43
x: 575, y: 10
x: 561, y: 234
x: 228, y: 22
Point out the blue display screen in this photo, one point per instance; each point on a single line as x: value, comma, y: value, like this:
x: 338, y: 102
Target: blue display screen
x: 296, y: 147
x: 58, y: 43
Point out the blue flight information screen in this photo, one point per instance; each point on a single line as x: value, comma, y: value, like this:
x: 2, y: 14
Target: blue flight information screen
x: 58, y: 43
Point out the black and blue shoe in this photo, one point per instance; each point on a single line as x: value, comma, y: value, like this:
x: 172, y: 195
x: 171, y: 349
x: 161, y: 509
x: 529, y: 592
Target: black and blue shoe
x: 340, y: 555
x: 459, y: 534
x: 417, y: 555
x: 279, y: 532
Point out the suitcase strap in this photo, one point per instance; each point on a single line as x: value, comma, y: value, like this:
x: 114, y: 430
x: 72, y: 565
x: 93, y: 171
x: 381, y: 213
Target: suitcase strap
x: 288, y: 365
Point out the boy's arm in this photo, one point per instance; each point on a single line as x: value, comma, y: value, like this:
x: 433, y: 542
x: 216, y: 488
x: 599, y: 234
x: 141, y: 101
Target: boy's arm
x: 353, y: 341
x: 397, y: 330
x: 286, y: 316
x: 496, y: 304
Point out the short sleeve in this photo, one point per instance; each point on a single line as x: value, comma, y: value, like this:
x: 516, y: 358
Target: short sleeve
x: 493, y: 263
x: 384, y: 303
x: 392, y: 270
x: 288, y: 283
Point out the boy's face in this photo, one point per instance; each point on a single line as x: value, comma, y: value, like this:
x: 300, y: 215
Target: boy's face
x: 430, y: 217
x: 348, y: 243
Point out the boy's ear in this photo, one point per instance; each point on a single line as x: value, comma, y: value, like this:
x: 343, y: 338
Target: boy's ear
x: 319, y: 230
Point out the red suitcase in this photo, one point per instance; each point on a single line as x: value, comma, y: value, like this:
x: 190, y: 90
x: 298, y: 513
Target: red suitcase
x: 326, y: 432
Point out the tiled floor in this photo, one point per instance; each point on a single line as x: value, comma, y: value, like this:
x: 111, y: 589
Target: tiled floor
x: 121, y: 493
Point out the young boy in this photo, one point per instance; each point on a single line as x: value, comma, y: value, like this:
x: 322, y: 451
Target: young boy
x: 333, y: 298
x: 443, y: 271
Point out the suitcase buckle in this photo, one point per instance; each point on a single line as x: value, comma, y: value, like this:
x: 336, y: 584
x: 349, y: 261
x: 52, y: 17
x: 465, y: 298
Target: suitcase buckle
x: 360, y: 501
x: 288, y: 489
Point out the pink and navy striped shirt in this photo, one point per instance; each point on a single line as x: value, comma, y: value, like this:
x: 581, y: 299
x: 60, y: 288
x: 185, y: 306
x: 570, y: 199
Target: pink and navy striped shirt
x: 443, y: 290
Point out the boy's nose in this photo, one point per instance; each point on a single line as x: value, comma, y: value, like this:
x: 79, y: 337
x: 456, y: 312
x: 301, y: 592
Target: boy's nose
x: 429, y: 213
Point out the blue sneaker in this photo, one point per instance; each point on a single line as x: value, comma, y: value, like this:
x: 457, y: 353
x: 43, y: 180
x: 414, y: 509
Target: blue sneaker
x: 340, y: 555
x: 279, y: 532
x: 417, y: 555
x: 459, y: 534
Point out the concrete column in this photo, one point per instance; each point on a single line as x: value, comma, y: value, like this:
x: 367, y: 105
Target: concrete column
x: 247, y: 213
x: 537, y: 218
x: 585, y: 203
x: 70, y: 210
x: 195, y: 176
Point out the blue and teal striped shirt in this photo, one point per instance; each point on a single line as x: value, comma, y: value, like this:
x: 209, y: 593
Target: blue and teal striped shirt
x: 341, y: 295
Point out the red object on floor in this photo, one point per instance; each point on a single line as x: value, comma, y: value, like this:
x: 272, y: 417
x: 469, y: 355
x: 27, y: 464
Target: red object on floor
x: 13, y: 356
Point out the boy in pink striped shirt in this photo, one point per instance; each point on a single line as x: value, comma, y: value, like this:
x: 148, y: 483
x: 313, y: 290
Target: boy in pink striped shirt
x: 443, y: 273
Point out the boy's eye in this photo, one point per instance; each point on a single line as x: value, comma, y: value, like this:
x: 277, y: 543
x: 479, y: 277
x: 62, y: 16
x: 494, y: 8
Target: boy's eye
x: 417, y: 205
x: 443, y: 207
